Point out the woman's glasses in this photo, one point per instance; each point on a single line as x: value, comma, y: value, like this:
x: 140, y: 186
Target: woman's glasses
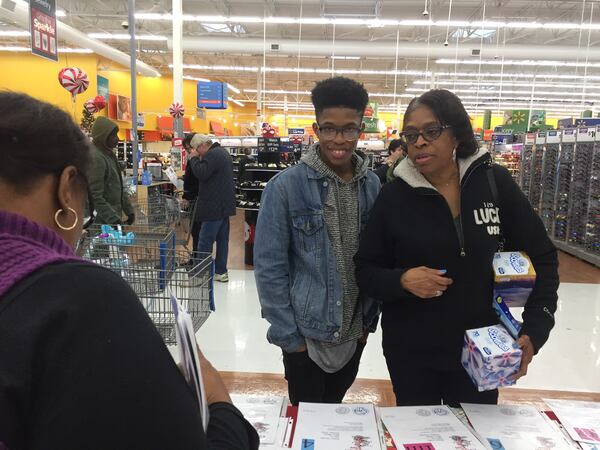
x: 430, y: 134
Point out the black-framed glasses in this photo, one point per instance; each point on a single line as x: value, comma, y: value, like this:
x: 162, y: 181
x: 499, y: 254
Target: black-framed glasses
x: 329, y: 133
x: 430, y: 134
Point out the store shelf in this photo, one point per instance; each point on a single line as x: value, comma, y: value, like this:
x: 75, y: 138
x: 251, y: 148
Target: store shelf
x: 251, y: 189
x: 578, y: 252
x: 247, y: 209
x: 264, y: 170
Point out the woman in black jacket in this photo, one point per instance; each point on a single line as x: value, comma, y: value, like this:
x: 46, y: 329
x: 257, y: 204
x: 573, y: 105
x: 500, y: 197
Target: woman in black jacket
x: 82, y: 367
x: 427, y: 255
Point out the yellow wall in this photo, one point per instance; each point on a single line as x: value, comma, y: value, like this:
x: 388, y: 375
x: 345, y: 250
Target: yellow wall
x: 23, y: 72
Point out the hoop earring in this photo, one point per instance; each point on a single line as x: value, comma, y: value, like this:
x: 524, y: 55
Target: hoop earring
x: 60, y: 211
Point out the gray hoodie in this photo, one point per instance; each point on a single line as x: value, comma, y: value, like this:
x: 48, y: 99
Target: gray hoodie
x: 342, y: 218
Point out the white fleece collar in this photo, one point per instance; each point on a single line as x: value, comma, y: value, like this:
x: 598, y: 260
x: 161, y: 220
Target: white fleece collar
x: 408, y: 172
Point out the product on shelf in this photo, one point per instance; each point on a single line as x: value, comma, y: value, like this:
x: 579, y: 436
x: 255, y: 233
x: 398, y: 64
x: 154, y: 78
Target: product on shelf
x: 592, y: 235
x: 563, y: 187
x: 579, y: 193
x: 547, y: 200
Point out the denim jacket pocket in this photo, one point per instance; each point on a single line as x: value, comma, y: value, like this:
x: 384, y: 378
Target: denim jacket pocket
x: 307, y: 228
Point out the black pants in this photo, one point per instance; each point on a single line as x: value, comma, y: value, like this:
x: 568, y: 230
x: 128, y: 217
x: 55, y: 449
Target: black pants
x: 195, y: 235
x: 307, y: 382
x: 415, y: 384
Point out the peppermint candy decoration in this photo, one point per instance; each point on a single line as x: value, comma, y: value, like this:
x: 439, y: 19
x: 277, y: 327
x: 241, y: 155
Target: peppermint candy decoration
x: 176, y: 110
x: 74, y: 80
x: 267, y: 130
x: 90, y: 106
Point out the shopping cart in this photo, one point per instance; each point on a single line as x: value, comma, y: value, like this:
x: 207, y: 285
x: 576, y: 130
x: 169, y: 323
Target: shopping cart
x: 155, y: 269
x: 157, y: 210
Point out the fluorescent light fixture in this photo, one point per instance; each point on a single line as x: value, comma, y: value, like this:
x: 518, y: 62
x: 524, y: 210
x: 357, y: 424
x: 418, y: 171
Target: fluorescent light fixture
x: 237, y: 102
x: 375, y: 23
x: 233, y: 88
x: 14, y: 33
x: 505, y: 84
x: 219, y: 68
x: 505, y: 92
x: 216, y: 27
x: 14, y: 48
x: 125, y: 36
x: 61, y: 13
x: 471, y: 33
x: 186, y: 77
x: 524, y: 62
x: 346, y: 57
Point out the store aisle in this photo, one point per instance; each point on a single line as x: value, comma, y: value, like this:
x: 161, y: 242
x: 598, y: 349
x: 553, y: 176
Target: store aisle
x: 234, y: 339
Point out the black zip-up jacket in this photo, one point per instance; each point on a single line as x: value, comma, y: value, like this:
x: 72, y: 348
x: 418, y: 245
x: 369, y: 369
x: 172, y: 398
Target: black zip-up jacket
x: 411, y: 225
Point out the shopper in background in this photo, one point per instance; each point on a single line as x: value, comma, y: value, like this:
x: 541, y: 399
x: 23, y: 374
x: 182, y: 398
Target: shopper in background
x: 213, y: 167
x: 106, y: 182
x: 397, y: 152
x: 306, y: 236
x: 190, y: 190
x: 427, y: 255
x: 244, y: 160
x: 81, y: 364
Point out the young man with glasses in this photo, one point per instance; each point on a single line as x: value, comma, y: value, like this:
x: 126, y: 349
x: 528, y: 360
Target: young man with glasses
x: 306, y: 237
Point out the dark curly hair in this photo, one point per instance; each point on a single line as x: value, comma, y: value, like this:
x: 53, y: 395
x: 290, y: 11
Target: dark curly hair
x: 37, y: 138
x: 448, y: 110
x: 397, y: 144
x: 339, y: 92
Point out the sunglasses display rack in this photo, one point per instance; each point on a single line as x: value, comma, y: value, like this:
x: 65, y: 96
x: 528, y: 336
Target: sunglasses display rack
x: 535, y: 190
x: 526, y: 163
x: 509, y: 156
x: 592, y: 235
x: 564, y: 188
x: 580, y: 185
x: 563, y: 184
x: 549, y: 171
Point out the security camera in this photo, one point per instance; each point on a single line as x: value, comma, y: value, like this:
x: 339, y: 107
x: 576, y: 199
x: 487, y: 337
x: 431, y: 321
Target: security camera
x: 125, y: 25
x: 425, y: 12
x: 446, y: 44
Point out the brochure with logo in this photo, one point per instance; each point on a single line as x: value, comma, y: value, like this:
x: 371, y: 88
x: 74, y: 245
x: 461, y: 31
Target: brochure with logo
x: 514, y: 427
x: 428, y: 428
x: 336, y: 427
x: 581, y: 419
x: 263, y: 412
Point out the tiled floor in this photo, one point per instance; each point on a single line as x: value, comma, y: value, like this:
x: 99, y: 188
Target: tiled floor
x: 233, y: 338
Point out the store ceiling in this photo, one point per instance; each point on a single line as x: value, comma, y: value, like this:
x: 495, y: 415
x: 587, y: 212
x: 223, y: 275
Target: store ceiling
x: 362, y: 37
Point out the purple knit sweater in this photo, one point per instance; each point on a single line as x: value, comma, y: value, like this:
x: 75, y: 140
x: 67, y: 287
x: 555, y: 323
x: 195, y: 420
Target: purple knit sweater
x: 26, y: 246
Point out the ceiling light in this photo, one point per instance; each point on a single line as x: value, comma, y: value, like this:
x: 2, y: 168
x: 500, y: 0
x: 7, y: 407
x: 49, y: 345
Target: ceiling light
x: 14, y: 33
x: 497, y: 62
x: 504, y: 84
x: 233, y: 88
x: 186, y: 77
x: 346, y: 57
x: 485, y: 24
x: 61, y: 13
x: 237, y: 102
x: 8, y: 48
x: 125, y: 36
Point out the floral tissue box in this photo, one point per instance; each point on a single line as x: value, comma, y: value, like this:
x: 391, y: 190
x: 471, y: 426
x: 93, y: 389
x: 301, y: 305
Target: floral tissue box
x: 491, y: 357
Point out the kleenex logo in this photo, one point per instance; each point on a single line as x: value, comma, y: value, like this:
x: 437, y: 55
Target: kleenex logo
x: 497, y: 339
x: 517, y: 262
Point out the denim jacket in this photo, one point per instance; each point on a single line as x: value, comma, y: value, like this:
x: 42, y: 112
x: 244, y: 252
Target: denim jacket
x: 299, y: 286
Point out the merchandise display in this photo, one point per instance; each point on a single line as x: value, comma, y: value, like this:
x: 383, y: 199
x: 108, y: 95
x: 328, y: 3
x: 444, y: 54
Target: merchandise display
x: 563, y: 185
x: 549, y: 172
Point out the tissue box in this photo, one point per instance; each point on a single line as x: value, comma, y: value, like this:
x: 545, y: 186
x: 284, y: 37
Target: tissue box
x: 514, y: 277
x: 490, y: 356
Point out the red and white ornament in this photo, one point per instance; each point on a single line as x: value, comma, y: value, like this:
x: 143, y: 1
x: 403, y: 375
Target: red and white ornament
x: 74, y: 80
x: 90, y: 106
x: 176, y: 110
x: 267, y: 130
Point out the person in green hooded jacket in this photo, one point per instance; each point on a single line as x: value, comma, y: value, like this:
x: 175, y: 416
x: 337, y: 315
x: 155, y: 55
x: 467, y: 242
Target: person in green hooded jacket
x: 106, y: 182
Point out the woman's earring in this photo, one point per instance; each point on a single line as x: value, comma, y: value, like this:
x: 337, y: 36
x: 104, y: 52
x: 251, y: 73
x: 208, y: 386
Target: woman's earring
x: 62, y: 227
x: 454, y: 154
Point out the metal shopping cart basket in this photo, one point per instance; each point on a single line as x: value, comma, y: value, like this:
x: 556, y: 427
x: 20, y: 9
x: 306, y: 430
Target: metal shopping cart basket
x: 155, y: 269
x: 157, y: 210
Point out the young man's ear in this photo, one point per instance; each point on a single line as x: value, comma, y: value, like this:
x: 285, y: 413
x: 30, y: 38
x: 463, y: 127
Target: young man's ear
x: 315, y: 128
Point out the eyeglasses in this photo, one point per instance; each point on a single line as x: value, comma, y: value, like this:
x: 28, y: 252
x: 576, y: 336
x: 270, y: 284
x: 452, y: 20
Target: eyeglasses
x: 330, y: 133
x: 430, y: 134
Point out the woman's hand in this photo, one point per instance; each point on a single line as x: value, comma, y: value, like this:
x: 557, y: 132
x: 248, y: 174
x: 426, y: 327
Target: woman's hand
x: 425, y: 282
x: 526, y: 346
x: 214, y: 388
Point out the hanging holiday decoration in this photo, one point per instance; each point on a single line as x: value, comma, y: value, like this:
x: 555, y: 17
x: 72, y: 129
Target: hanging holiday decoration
x: 73, y: 80
x: 87, y: 119
x: 176, y: 110
x: 100, y: 102
x: 267, y: 130
x: 90, y: 106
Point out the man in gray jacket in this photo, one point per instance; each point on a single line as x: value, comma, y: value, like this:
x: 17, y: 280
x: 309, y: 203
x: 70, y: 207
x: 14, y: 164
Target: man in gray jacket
x: 213, y: 167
